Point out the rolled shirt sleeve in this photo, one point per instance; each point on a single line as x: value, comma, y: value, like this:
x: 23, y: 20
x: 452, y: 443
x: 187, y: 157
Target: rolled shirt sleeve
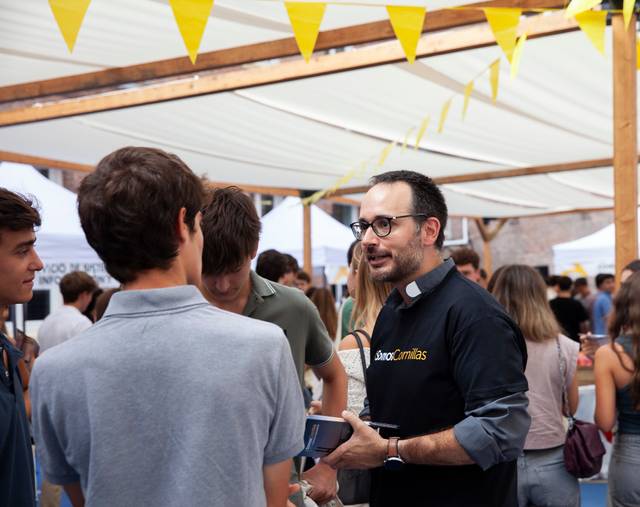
x: 495, y: 431
x: 489, y: 358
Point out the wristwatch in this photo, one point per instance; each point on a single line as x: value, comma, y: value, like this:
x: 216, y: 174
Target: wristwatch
x: 393, y: 461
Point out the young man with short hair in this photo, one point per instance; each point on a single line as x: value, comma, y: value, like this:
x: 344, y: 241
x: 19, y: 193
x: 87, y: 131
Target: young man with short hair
x: 467, y: 262
x: 606, y: 284
x: 571, y: 315
x: 272, y: 265
x: 162, y: 402
x: 77, y: 289
x: 231, y: 229
x: 447, y: 365
x: 19, y: 263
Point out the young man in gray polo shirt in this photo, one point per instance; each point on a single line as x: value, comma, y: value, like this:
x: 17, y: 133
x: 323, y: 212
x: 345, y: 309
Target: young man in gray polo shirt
x: 162, y: 402
x: 231, y: 230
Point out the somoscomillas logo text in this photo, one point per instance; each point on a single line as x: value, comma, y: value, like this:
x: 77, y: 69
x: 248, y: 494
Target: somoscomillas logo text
x: 414, y: 354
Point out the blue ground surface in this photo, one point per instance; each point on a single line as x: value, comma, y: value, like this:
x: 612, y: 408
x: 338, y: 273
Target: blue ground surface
x: 594, y: 494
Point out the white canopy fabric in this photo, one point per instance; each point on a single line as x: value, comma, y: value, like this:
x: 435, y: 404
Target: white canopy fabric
x: 281, y: 228
x: 307, y: 133
x: 60, y: 243
x: 587, y: 256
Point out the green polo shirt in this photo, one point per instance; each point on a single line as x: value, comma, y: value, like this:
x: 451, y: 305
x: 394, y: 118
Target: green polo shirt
x: 298, y: 317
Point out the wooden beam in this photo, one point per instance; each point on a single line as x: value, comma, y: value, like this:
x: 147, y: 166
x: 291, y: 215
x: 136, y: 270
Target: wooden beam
x: 625, y: 141
x: 256, y: 189
x: 496, y: 175
x: 7, y: 156
x: 306, y: 231
x: 238, y: 78
x: 349, y: 36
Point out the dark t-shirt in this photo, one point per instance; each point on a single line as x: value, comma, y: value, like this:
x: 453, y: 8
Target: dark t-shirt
x: 451, y: 349
x: 570, y: 314
x: 16, y: 459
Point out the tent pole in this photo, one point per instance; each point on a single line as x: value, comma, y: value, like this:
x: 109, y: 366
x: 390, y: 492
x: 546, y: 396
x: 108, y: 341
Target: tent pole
x: 306, y: 220
x: 625, y: 141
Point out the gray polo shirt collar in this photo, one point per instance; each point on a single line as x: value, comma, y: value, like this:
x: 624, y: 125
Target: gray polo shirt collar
x: 135, y: 302
x: 423, y: 284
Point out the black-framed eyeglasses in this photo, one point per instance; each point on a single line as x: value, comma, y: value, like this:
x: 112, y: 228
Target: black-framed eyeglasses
x: 381, y: 225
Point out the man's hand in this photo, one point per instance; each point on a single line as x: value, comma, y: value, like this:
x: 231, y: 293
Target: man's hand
x: 324, y: 483
x: 365, y: 448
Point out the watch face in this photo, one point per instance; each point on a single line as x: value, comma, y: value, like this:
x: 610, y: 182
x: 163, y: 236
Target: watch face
x: 393, y: 463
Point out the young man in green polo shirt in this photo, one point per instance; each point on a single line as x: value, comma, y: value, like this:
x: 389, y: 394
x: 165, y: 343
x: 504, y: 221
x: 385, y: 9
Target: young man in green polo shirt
x: 231, y: 230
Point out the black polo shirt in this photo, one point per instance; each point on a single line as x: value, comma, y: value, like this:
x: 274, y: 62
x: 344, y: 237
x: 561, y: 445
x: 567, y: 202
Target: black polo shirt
x: 16, y: 458
x: 452, y: 348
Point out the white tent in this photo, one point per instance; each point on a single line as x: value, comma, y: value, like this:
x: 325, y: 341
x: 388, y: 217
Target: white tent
x: 587, y: 256
x: 281, y: 228
x: 61, y: 242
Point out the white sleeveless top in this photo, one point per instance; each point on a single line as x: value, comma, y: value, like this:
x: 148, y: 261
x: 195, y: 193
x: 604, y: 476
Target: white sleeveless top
x: 356, y: 390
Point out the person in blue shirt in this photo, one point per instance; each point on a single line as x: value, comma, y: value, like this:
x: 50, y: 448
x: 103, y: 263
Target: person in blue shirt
x: 602, y: 305
x: 19, y: 263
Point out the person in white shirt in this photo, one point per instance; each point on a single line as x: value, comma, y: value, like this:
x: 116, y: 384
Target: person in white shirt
x: 67, y: 321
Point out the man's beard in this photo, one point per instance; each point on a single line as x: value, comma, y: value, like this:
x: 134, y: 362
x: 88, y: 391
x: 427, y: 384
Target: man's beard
x: 405, y: 264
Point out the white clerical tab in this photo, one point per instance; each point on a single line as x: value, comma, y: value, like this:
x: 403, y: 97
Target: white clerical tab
x: 413, y: 291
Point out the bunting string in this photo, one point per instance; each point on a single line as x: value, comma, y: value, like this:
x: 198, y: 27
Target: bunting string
x: 408, y: 23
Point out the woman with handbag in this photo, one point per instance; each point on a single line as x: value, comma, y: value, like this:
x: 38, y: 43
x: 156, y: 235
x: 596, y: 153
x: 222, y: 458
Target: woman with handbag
x: 354, y: 354
x: 543, y: 478
x: 617, y: 373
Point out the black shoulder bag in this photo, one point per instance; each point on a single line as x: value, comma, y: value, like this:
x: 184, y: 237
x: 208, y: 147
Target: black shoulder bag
x: 355, y: 485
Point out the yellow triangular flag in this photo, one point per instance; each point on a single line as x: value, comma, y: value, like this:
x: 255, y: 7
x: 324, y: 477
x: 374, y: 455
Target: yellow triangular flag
x: 69, y: 15
x: 627, y: 11
x: 305, y: 20
x: 191, y: 18
x: 578, y: 6
x: 443, y: 115
x: 384, y: 154
x: 407, y: 23
x: 467, y: 95
x: 593, y: 24
x: 517, y: 56
x: 504, y: 24
x: 422, y: 130
x: 406, y: 138
x: 494, y: 77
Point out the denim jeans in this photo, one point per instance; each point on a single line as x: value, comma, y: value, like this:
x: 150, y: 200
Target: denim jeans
x: 543, y: 480
x: 624, y: 472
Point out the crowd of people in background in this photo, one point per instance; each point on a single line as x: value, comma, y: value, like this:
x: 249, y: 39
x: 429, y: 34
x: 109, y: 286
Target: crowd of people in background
x: 188, y: 384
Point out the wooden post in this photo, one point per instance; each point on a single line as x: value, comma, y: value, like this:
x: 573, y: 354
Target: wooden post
x: 306, y: 220
x: 625, y: 141
x: 487, y: 237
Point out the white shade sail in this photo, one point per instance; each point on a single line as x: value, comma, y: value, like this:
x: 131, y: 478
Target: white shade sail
x: 307, y: 133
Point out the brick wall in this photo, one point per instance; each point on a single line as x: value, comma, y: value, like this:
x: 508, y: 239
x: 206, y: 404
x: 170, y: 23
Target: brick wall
x: 529, y: 240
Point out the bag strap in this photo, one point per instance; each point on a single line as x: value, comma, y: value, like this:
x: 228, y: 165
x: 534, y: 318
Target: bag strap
x: 356, y: 333
x: 563, y: 378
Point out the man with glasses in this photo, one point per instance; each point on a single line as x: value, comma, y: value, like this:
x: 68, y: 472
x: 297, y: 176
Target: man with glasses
x: 447, y: 364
